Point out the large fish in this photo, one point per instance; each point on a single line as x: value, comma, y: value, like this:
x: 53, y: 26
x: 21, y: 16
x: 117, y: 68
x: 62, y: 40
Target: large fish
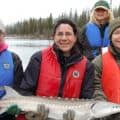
x: 84, y: 109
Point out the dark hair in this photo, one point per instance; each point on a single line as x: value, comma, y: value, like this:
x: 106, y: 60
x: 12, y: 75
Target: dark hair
x: 78, y: 45
x: 65, y: 21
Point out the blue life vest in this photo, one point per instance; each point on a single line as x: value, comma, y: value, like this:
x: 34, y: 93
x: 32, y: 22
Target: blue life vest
x: 94, y: 38
x: 6, y: 70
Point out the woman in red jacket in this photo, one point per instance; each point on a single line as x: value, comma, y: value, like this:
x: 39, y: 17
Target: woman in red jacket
x: 60, y: 70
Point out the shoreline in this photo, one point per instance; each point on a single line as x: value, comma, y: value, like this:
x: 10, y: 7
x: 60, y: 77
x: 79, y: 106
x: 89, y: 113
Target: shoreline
x: 26, y: 37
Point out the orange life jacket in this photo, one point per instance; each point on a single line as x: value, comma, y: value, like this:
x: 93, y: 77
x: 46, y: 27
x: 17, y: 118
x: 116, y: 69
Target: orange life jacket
x: 111, y: 77
x: 50, y: 76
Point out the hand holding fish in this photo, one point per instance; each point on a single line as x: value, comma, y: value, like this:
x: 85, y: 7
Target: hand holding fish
x: 41, y: 114
x: 69, y: 115
x: 84, y: 109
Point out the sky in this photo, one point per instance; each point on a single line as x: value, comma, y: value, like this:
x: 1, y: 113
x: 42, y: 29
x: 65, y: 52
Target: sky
x: 12, y: 11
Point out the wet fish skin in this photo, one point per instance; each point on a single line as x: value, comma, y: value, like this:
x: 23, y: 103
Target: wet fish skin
x: 84, y: 109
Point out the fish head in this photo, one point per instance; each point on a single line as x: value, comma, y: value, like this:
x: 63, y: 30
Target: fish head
x: 102, y: 109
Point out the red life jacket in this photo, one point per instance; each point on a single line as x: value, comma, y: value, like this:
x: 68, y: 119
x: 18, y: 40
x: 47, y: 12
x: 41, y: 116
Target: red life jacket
x: 50, y: 76
x: 111, y: 77
x: 21, y: 117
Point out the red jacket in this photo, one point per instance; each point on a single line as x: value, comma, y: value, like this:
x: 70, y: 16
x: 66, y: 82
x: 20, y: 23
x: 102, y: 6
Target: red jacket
x: 111, y: 77
x: 21, y: 117
x: 50, y: 76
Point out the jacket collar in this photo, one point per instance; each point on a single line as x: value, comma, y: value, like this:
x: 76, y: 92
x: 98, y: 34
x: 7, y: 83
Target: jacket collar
x: 3, y: 47
x: 75, y: 56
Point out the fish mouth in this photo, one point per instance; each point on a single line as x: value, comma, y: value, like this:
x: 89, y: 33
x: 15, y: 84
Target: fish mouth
x: 101, y: 109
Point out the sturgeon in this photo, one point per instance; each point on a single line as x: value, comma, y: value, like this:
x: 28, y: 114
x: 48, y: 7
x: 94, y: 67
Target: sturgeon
x: 84, y: 109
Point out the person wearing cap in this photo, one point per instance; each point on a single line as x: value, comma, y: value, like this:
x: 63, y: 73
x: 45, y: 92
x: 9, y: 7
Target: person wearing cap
x: 11, y: 70
x: 94, y: 35
x: 107, y: 69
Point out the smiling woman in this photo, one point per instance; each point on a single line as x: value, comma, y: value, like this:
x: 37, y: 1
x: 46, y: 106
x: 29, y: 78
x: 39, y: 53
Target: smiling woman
x: 60, y: 70
x: 65, y: 38
x: 95, y: 32
x: 107, y: 72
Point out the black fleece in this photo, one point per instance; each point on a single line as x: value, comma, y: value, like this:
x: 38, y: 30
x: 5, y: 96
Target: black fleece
x: 29, y: 83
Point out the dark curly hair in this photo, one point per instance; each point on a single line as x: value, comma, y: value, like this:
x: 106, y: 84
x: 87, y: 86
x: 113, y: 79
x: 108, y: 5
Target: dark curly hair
x: 65, y: 21
x: 75, y: 30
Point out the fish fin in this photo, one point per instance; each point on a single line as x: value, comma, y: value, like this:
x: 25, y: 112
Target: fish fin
x: 10, y: 92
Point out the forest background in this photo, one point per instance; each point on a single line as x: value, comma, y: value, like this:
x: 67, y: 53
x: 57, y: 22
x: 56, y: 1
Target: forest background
x: 42, y: 28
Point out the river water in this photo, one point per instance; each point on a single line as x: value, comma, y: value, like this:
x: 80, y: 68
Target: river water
x: 25, y: 48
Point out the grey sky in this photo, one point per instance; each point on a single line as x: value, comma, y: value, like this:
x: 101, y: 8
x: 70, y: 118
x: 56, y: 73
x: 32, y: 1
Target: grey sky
x: 13, y: 10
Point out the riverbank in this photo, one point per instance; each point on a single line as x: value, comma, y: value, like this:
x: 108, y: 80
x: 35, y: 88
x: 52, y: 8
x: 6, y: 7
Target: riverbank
x: 40, y: 37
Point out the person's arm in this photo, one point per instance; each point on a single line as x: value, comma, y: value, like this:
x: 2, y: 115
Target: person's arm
x: 85, y: 43
x: 12, y: 110
x: 98, y: 92
x: 18, y: 71
x: 29, y: 83
x: 87, y: 85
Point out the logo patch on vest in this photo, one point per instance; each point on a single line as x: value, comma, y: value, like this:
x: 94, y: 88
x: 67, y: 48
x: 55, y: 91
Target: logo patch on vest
x: 6, y: 66
x: 76, y: 74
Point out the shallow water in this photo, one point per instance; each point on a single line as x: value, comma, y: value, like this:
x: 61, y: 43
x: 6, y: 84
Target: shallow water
x: 25, y: 48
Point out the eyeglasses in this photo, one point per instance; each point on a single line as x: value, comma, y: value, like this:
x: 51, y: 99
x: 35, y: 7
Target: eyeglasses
x: 67, y: 34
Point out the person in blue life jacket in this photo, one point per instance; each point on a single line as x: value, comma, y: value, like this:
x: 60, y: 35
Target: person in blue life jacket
x: 94, y: 35
x: 11, y: 70
x: 60, y: 70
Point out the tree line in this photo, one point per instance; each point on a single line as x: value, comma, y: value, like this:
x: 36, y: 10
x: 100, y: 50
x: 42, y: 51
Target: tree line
x: 42, y: 27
